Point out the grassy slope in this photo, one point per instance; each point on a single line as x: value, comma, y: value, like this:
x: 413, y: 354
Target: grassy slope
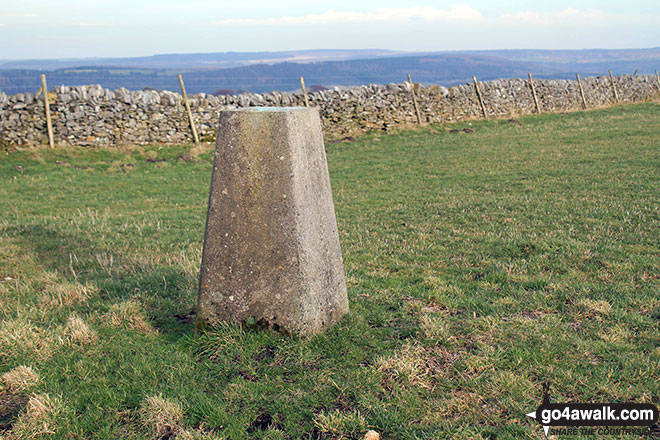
x: 479, y: 265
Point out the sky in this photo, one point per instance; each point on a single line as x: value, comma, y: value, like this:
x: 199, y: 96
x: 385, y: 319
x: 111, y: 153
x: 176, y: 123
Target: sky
x: 122, y: 28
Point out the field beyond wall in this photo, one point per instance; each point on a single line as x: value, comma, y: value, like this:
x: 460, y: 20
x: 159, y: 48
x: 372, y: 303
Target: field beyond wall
x: 483, y: 258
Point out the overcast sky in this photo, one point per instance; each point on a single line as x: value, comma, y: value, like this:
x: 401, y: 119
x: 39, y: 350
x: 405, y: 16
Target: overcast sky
x: 88, y: 28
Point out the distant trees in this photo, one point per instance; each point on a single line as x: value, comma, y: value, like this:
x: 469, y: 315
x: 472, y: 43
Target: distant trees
x: 317, y: 88
x: 222, y: 92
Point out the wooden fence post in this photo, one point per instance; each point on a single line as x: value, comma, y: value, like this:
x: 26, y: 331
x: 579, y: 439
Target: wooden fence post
x: 49, y: 125
x: 584, y: 101
x: 479, y: 97
x: 304, y: 90
x: 190, y: 116
x: 616, y: 95
x: 536, y: 99
x: 657, y: 77
x: 414, y: 98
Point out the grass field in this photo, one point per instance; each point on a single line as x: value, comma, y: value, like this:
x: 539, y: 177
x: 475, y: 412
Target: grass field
x: 479, y: 266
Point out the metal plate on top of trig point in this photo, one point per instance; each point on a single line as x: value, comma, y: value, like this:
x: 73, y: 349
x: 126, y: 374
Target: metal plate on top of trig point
x: 271, y: 249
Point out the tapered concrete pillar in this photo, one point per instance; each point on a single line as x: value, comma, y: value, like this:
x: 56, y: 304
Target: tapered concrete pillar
x: 271, y: 249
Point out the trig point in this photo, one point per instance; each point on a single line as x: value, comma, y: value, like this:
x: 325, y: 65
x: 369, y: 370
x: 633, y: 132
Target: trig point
x: 271, y: 249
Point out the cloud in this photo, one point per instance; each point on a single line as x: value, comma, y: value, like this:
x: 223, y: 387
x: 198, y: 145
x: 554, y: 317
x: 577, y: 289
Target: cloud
x: 555, y: 17
x: 13, y: 15
x: 460, y: 14
x: 425, y: 13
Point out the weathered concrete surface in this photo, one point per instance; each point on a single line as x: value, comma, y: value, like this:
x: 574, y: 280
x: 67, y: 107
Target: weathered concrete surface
x: 271, y: 249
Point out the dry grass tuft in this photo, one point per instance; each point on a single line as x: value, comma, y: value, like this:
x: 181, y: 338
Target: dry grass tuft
x: 128, y: 148
x: 201, y: 149
x: 78, y: 332
x: 128, y: 314
x: 150, y: 155
x: 618, y: 334
x: 590, y: 308
x: 20, y: 337
x: 20, y: 379
x: 189, y: 260
x: 417, y: 365
x: 458, y: 403
x: 123, y: 166
x: 341, y: 425
x: 187, y: 434
x: 408, y: 364
x: 35, y: 155
x: 436, y: 329
x: 162, y: 416
x: 67, y: 294
x: 39, y: 419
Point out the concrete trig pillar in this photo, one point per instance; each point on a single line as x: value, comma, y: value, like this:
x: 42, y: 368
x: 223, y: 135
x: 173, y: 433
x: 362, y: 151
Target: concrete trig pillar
x: 271, y: 248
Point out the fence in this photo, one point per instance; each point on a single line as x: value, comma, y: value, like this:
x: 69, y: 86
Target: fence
x: 91, y: 115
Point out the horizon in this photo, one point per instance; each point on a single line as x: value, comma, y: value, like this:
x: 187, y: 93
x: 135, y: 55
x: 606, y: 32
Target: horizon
x: 394, y: 52
x: 266, y: 71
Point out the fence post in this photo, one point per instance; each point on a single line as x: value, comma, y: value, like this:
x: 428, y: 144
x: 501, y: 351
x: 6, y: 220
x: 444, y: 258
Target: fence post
x: 190, y: 116
x: 536, y: 99
x: 304, y: 90
x: 584, y: 101
x: 657, y: 77
x: 414, y: 98
x: 616, y: 95
x: 479, y: 97
x: 49, y: 125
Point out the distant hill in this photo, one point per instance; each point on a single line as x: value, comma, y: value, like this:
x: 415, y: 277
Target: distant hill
x: 586, y: 60
x: 259, y: 72
x: 188, y: 61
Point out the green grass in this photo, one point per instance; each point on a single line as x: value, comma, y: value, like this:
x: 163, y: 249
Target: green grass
x: 479, y: 266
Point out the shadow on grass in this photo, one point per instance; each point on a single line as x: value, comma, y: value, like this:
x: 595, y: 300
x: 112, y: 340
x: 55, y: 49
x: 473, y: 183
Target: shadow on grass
x: 167, y: 292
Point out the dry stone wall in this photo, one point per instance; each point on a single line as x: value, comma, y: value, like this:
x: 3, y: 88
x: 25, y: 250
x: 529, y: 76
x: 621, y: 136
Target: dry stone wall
x: 92, y: 115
